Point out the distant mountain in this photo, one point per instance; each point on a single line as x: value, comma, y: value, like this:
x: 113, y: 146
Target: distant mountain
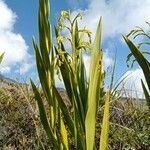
x: 6, y: 81
x: 1, y: 77
x: 12, y: 85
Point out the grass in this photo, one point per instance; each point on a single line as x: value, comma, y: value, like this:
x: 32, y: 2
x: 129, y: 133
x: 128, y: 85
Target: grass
x: 19, y: 121
x: 22, y: 129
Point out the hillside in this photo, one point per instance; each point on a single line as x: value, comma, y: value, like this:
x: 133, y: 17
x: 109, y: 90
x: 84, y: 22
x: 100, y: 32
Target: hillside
x: 5, y: 82
x: 20, y: 126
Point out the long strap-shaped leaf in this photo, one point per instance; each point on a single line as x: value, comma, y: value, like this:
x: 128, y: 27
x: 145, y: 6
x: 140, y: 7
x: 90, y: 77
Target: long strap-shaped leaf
x: 43, y: 116
x: 65, y: 112
x: 42, y: 72
x: 144, y: 64
x: 71, y: 85
x: 44, y: 30
x: 67, y: 118
x: 64, y: 134
x: 65, y: 71
x: 94, y: 89
x: 105, y: 125
x: 147, y: 95
x: 82, y: 82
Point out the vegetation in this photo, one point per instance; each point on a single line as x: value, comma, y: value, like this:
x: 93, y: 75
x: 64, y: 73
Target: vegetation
x: 83, y: 115
x: 21, y: 128
x: 1, y: 57
x: 84, y: 94
x: 139, y: 57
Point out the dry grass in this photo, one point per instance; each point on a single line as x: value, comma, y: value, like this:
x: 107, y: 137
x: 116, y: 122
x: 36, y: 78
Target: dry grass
x: 21, y: 129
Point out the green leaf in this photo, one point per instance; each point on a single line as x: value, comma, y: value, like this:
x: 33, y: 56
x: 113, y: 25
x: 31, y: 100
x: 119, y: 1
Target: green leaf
x: 65, y: 72
x: 82, y: 82
x: 42, y: 72
x: 105, y: 125
x: 43, y: 116
x: 64, y: 134
x: 1, y: 57
x: 65, y: 112
x: 71, y: 85
x: 146, y: 93
x: 143, y: 62
x: 113, y: 74
x: 68, y: 119
x: 94, y: 89
x: 45, y: 36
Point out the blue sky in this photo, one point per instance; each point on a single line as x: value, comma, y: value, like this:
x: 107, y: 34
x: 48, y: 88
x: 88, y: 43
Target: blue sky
x: 20, y: 24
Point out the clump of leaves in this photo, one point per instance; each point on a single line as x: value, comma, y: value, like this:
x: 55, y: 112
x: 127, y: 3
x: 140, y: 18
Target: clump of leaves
x: 140, y: 58
x: 144, y: 36
x: 61, y: 123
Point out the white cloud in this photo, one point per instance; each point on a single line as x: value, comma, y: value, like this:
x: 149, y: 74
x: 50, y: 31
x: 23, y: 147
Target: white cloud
x: 13, y: 44
x: 7, y: 17
x: 119, y: 17
x: 131, y: 86
x: 26, y: 66
x: 107, y: 59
